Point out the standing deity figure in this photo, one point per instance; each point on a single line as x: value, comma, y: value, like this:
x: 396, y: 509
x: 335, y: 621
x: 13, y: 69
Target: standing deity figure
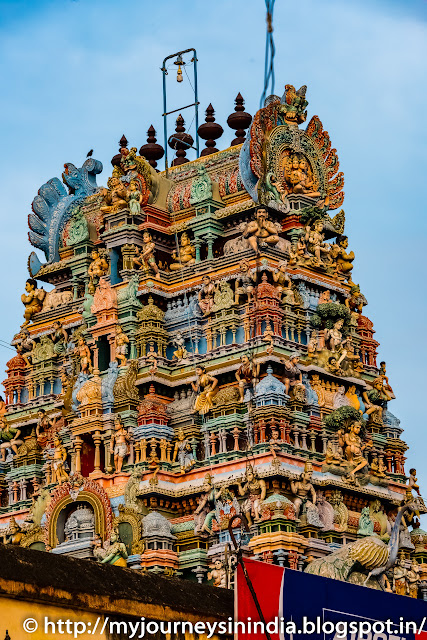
x: 181, y: 352
x: 183, y: 452
x: 292, y: 375
x: 283, y: 281
x: 400, y: 573
x: 122, y: 342
x: 353, y: 447
x: 59, y: 462
x: 186, y: 255
x: 205, y: 387
x: 145, y: 259
x: 334, y: 337
x: 261, y: 232
x: 413, y: 578
x: 59, y: 337
x: 314, y: 239
x: 356, y: 301
x: 134, y: 197
x: 256, y: 490
x: 24, y: 345
x: 303, y: 489
x: 119, y: 443
x: 45, y: 428
x: 83, y: 352
x: 115, y: 552
x: 378, y: 467
x: 206, y: 295
x: 114, y: 196
x: 376, y: 399
x: 205, y: 512
x: 413, y: 484
x: 9, y: 438
x: 275, y: 442
x: 98, y: 267
x: 32, y: 299
x: 247, y: 375
x: 245, y: 282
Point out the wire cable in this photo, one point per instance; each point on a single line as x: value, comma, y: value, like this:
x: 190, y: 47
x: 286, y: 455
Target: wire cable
x: 270, y: 51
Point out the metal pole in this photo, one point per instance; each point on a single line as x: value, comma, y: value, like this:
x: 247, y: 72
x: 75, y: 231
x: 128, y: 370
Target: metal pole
x: 196, y: 100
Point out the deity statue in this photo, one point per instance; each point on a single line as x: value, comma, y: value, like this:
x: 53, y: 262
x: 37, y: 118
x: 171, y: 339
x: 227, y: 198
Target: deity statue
x: 218, y: 574
x: 261, y: 232
x: 256, y: 490
x: 59, y: 337
x: 206, y: 295
x: 245, y: 281
x: 119, y: 443
x: 9, y: 438
x: 313, y: 344
x: 205, y: 387
x: 247, y: 375
x: 314, y: 239
x: 356, y: 301
x: 413, y: 484
x: 334, y: 365
x: 292, y: 375
x: 326, y: 511
x: 268, y: 337
x: 366, y: 524
x: 205, y: 512
x: 283, y: 281
x: 32, y: 299
x: 134, y: 197
x: 334, y: 453
x: 45, y: 428
x: 297, y: 176
x: 115, y: 552
x: 14, y: 533
x: 181, y: 352
x: 413, y: 579
x: 383, y: 374
x: 353, y: 446
x: 98, y: 267
x: 24, y: 345
x: 325, y: 297
x: 400, y: 574
x: 145, y: 259
x: 83, y: 352
x: 377, y: 467
x: 334, y: 337
x: 303, y: 489
x: 114, y: 196
x: 151, y: 358
x: 275, y: 442
x: 343, y: 260
x: 122, y: 342
x: 183, y: 452
x: 376, y: 399
x: 186, y: 254
x: 59, y: 462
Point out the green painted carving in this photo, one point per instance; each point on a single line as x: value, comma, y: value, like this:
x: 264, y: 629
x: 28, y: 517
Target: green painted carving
x: 78, y: 231
x: 201, y: 187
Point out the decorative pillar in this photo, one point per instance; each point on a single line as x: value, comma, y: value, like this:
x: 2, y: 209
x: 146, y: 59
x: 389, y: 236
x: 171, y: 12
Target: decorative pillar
x: 22, y: 489
x: 197, y: 243
x: 78, y: 443
x: 236, y: 438
x: 96, y: 437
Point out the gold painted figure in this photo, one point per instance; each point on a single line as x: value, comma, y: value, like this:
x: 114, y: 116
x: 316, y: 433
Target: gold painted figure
x: 114, y: 196
x: 32, y: 299
x: 353, y: 447
x: 186, y: 254
x: 119, y: 443
x: 256, y: 490
x: 59, y: 474
x: 261, y: 232
x: 206, y: 387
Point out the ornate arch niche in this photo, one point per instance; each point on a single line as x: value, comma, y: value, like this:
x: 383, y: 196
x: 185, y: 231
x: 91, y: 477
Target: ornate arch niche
x: 89, y: 492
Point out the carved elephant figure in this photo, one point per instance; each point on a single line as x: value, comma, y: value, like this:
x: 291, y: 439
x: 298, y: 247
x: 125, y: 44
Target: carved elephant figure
x: 56, y: 299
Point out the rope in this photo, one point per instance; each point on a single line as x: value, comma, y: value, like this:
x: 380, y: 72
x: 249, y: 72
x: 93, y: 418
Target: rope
x: 270, y: 51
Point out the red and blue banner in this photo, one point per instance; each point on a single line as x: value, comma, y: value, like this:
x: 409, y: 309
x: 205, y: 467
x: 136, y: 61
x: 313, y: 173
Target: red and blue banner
x: 304, y: 606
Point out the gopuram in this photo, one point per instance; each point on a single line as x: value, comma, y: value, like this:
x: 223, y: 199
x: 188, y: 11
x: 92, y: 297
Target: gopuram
x: 194, y: 348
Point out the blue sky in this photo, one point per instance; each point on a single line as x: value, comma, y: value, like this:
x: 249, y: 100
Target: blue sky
x: 77, y: 74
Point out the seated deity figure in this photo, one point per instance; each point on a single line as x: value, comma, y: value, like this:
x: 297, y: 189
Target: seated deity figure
x: 292, y: 375
x: 24, y: 345
x: 314, y: 239
x: 376, y: 399
x: 247, y: 375
x: 185, y: 256
x: 114, y: 196
x: 245, y: 282
x: 32, y: 299
x: 122, y: 342
x: 9, y: 438
x: 119, y: 443
x: 283, y: 282
x: 205, y: 387
x: 114, y: 553
x: 261, y: 232
x: 343, y: 260
x: 353, y: 447
x: 334, y: 336
x: 255, y: 489
x: 205, y: 512
x: 303, y: 489
x: 297, y: 176
x: 98, y: 267
x: 183, y: 452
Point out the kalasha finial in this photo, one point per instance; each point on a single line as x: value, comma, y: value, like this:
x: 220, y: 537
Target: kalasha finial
x: 239, y: 120
x: 123, y: 143
x: 210, y: 131
x: 180, y: 141
x: 152, y: 151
